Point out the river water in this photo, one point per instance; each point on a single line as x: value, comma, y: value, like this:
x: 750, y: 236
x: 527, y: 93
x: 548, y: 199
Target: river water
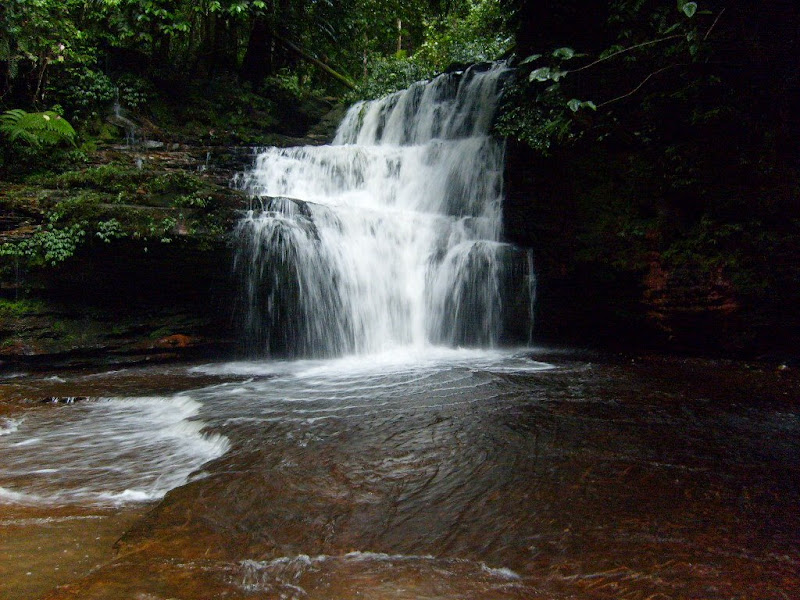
x: 438, y: 474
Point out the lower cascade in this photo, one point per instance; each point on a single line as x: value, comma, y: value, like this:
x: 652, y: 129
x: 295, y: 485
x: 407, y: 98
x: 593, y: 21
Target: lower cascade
x: 391, y: 235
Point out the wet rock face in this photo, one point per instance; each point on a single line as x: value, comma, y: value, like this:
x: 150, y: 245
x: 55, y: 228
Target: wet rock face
x: 63, y: 399
x: 615, y: 267
x: 156, y: 284
x: 693, y: 309
x: 122, y: 305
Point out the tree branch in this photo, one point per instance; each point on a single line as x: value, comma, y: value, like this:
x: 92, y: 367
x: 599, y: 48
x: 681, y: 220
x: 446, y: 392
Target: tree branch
x: 618, y: 52
x: 705, y: 37
x: 335, y: 74
x: 637, y: 88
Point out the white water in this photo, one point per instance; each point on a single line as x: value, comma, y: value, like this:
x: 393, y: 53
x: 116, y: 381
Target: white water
x: 389, y: 237
x: 292, y: 577
x: 104, y: 451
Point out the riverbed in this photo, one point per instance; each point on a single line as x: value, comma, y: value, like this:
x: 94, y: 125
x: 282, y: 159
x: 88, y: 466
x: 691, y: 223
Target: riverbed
x: 425, y: 473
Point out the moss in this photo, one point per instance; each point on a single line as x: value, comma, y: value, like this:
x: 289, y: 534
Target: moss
x: 175, y: 183
x: 109, y: 178
x: 10, y: 309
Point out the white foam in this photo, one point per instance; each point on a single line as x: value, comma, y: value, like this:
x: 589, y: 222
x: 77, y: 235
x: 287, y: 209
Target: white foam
x: 127, y: 496
x: 8, y: 426
x: 286, y: 571
x: 502, y: 572
x: 400, y: 359
x: 13, y: 497
x: 108, y: 451
x: 41, y: 521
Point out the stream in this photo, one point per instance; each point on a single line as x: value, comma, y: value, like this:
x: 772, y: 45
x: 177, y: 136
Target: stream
x: 437, y: 474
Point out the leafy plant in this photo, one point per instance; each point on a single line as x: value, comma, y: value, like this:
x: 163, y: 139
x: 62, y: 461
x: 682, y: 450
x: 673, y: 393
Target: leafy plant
x: 49, y: 244
x: 109, y: 230
x: 86, y: 92
x: 36, y: 129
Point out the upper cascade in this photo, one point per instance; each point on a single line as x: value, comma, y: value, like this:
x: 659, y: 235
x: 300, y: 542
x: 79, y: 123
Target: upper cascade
x: 452, y: 106
x: 390, y: 236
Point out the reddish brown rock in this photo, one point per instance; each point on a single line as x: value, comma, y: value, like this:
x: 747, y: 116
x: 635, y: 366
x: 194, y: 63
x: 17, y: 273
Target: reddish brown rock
x: 177, y: 340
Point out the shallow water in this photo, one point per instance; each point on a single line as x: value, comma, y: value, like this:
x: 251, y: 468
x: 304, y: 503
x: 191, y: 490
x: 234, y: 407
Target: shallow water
x: 441, y: 474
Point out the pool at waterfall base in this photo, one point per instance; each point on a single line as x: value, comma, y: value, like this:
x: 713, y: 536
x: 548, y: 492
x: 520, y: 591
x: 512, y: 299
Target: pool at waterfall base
x: 439, y: 474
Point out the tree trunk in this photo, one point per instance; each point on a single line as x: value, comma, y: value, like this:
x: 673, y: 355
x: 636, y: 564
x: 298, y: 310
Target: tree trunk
x: 257, y: 63
x: 325, y: 68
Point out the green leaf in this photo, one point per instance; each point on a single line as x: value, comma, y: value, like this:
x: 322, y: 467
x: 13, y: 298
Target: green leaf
x: 576, y: 104
x: 530, y: 59
x: 563, y: 53
x: 689, y: 9
x: 540, y: 74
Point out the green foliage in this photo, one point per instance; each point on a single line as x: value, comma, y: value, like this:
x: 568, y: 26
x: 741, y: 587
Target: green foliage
x: 109, y: 230
x: 543, y: 108
x: 36, y: 129
x: 478, y: 32
x: 36, y: 34
x: 289, y: 82
x: 688, y: 8
x: 112, y: 178
x: 134, y: 92
x: 86, y: 55
x: 196, y: 200
x: 86, y: 92
x: 11, y: 309
x: 473, y: 31
x: 50, y: 243
x: 388, y: 75
x: 575, y: 105
x: 541, y: 123
x: 175, y: 182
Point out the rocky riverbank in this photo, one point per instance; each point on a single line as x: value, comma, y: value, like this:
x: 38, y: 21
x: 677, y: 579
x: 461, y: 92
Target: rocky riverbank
x: 126, y: 259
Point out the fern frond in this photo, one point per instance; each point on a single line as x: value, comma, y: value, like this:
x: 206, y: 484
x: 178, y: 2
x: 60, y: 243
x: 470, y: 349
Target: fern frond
x: 36, y: 129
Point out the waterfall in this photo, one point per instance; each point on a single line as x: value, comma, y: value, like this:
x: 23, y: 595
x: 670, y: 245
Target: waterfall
x: 390, y: 236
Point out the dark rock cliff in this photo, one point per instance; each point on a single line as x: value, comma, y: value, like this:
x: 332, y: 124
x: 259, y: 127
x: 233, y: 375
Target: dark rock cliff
x: 614, y: 271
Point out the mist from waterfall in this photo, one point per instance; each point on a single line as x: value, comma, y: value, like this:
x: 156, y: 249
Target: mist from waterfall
x: 390, y: 236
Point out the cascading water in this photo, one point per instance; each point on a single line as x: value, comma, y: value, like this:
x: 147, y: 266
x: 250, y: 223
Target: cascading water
x: 391, y: 235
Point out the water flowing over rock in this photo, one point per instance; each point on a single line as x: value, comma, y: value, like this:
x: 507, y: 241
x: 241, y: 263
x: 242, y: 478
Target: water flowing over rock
x: 390, y: 236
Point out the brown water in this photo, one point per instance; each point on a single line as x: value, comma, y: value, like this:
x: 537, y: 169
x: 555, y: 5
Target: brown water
x: 463, y: 475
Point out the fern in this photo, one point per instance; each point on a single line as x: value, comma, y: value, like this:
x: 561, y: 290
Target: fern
x: 36, y: 129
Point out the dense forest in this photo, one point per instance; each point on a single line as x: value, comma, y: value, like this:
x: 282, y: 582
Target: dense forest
x: 652, y: 156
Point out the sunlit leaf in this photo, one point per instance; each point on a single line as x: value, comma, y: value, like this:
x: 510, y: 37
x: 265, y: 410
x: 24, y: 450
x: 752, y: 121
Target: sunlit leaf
x: 540, y: 74
x: 563, y: 53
